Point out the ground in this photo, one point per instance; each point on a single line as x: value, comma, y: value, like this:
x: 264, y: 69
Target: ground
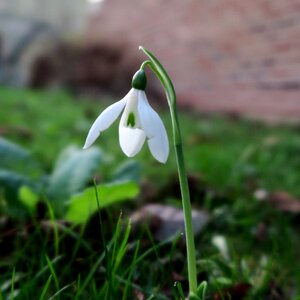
x: 242, y: 173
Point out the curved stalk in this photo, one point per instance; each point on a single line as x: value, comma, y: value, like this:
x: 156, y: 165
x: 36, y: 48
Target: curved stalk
x: 166, y: 82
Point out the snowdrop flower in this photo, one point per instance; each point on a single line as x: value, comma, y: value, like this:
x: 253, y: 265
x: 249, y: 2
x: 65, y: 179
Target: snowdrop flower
x: 139, y: 122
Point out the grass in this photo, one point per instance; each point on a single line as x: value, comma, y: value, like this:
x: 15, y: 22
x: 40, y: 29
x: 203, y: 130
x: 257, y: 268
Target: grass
x: 246, y: 241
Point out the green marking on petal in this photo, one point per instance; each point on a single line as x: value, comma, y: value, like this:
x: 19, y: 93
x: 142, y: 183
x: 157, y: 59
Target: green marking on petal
x: 131, y: 120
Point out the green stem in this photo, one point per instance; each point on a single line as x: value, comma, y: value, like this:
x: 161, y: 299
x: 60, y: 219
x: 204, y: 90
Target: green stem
x: 165, y: 80
x: 187, y: 210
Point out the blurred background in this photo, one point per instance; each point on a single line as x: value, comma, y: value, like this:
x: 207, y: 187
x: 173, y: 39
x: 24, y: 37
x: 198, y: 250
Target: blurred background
x: 223, y: 55
x: 235, y: 65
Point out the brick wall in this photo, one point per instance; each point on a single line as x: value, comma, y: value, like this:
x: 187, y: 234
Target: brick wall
x: 223, y: 55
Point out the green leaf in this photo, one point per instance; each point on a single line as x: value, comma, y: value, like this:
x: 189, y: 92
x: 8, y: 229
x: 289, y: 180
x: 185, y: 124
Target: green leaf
x: 193, y: 296
x: 201, y: 290
x: 10, y: 183
x: 17, y: 159
x: 223, y: 282
x: 177, y: 285
x: 73, y: 170
x: 83, y: 205
x: 130, y: 170
x: 28, y: 197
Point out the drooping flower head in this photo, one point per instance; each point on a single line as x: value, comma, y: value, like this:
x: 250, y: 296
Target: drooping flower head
x: 139, y: 122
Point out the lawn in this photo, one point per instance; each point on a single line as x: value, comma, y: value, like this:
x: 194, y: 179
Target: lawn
x: 56, y: 244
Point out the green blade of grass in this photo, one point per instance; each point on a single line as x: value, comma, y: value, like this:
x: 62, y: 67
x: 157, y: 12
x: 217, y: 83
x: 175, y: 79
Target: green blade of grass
x: 61, y: 290
x: 90, y: 275
x: 123, y: 247
x: 55, y: 227
x: 50, y: 265
x: 131, y: 271
x: 45, y: 289
x: 106, y: 253
x: 12, y: 290
x: 178, y: 286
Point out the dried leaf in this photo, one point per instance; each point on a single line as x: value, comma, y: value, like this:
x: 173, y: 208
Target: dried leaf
x: 139, y: 295
x: 284, y: 202
x: 167, y: 221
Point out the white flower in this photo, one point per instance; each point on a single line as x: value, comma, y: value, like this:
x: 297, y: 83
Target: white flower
x: 138, y: 122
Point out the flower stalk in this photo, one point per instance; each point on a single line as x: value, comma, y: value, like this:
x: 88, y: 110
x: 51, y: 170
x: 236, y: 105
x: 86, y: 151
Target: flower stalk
x: 166, y: 82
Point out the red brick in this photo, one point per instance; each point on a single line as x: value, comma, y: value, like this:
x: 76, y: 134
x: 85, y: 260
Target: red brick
x: 225, y: 55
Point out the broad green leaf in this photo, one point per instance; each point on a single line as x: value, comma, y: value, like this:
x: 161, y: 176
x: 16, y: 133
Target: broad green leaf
x: 17, y: 159
x: 83, y: 205
x: 73, y: 169
x: 130, y: 170
x: 10, y: 183
x: 28, y: 197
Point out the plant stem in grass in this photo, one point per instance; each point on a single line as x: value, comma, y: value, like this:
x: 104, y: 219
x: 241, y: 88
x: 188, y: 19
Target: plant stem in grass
x: 165, y: 80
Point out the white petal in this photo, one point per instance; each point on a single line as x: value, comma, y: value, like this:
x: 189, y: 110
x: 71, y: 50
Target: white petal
x: 132, y: 100
x: 131, y: 107
x: 131, y: 140
x: 154, y: 128
x: 105, y: 119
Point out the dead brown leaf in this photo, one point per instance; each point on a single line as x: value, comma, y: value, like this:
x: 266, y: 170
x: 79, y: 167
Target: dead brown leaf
x: 284, y: 201
x: 166, y: 221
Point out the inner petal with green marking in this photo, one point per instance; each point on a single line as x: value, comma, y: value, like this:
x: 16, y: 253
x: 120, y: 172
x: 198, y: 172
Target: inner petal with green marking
x: 131, y: 120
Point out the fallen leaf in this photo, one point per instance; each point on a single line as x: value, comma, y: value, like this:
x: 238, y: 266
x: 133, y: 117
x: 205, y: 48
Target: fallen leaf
x: 167, y: 221
x: 284, y: 202
x: 139, y: 295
